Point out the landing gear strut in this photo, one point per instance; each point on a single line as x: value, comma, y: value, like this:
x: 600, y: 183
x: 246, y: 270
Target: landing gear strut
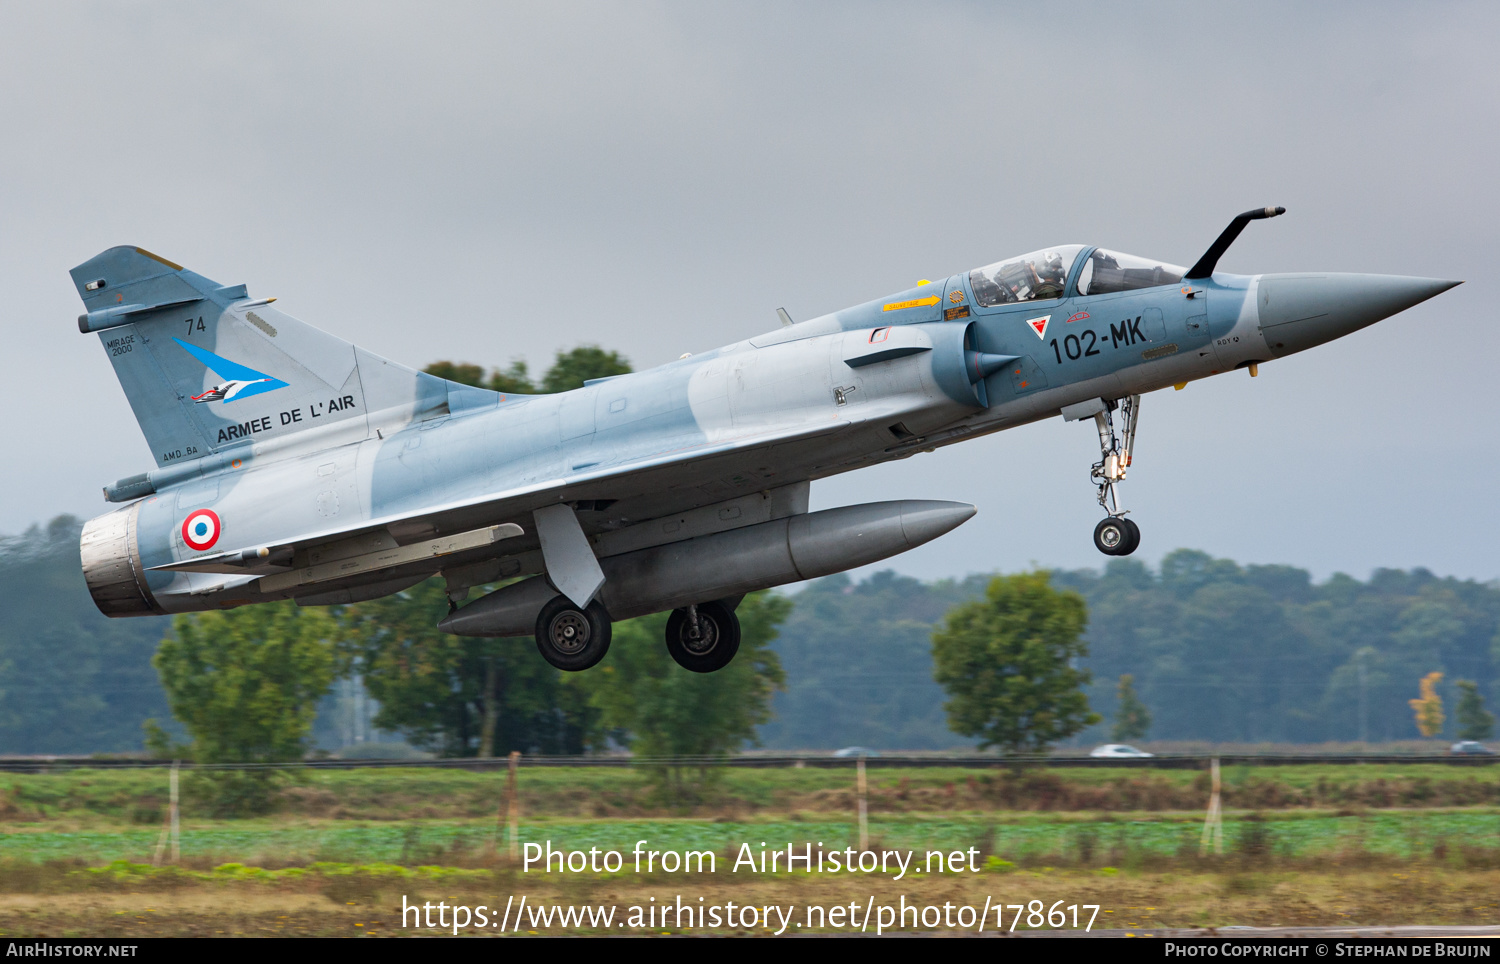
x: 1115, y: 535
x: 703, y: 638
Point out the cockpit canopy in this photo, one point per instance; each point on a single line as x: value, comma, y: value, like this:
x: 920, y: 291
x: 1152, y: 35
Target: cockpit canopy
x: 1037, y: 276
x: 1108, y: 271
x: 1043, y: 275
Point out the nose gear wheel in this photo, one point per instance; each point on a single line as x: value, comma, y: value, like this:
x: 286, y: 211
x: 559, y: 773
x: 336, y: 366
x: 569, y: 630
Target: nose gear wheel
x: 1117, y: 536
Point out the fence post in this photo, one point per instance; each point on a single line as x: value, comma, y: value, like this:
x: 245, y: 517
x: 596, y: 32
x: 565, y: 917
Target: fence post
x: 513, y: 814
x: 161, y: 839
x: 176, y: 826
x: 1213, y: 824
x: 864, y: 814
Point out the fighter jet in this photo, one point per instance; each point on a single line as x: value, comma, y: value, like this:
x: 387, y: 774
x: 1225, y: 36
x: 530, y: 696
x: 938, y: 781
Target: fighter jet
x: 329, y: 475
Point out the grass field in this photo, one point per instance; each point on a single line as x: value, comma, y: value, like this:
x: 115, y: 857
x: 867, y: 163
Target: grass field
x: 126, y: 900
x: 1330, y: 844
x: 1131, y: 840
x: 396, y: 794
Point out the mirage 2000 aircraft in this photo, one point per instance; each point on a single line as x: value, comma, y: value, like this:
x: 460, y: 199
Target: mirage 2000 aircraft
x: 294, y: 465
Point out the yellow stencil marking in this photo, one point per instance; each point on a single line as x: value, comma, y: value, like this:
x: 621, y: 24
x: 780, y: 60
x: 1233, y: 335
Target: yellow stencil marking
x: 914, y: 303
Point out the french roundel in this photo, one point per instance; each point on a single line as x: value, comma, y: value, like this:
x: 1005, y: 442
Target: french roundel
x: 200, y: 530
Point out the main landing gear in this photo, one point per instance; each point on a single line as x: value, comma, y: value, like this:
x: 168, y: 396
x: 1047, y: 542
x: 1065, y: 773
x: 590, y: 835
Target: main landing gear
x: 571, y: 638
x: 703, y: 638
x: 1115, y: 535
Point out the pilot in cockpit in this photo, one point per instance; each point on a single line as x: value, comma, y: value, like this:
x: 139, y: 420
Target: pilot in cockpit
x: 987, y: 291
x: 1031, y: 277
x: 1051, y: 276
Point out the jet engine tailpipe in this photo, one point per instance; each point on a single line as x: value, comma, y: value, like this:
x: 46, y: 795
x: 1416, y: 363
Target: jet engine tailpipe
x: 111, y: 558
x: 727, y: 564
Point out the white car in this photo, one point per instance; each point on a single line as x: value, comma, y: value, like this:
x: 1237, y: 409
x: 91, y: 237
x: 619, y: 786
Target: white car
x: 1119, y: 751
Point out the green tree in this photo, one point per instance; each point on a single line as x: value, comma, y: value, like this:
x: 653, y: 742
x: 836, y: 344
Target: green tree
x: 71, y: 679
x: 1007, y: 663
x: 245, y: 684
x: 457, y: 695
x: 461, y: 372
x: 463, y: 696
x: 1474, y: 721
x: 832, y: 700
x: 1132, y: 718
x: 572, y: 368
x: 515, y: 380
x: 664, y: 711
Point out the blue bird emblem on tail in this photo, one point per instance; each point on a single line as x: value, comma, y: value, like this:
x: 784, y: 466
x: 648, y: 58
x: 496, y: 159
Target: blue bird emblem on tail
x: 240, y: 381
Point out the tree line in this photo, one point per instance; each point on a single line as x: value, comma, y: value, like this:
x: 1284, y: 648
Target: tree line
x: 855, y: 661
x: 1196, y: 649
x: 1262, y: 653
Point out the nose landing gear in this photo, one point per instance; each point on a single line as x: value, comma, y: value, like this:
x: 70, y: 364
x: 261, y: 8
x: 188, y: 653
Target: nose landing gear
x: 1115, y: 535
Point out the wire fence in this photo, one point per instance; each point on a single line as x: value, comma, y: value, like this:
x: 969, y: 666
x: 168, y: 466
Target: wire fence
x: 1173, y: 761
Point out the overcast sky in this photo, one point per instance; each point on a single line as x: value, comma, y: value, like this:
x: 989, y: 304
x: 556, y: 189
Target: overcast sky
x: 484, y: 182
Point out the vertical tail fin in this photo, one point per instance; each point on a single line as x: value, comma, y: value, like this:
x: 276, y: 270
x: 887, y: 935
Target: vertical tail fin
x: 206, y: 367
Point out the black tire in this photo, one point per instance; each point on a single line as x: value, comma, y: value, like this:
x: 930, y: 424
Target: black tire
x: 717, y: 641
x: 1134, y: 542
x: 1111, y: 536
x: 570, y: 638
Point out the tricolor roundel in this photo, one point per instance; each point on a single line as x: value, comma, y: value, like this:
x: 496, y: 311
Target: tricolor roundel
x: 200, y: 530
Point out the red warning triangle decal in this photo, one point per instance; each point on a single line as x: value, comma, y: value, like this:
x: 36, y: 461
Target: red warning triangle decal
x: 1039, y: 325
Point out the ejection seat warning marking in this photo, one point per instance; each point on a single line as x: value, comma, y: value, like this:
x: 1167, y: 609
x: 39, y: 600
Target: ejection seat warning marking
x: 1039, y: 325
x: 914, y: 303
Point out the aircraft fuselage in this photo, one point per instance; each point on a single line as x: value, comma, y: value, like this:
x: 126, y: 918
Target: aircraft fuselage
x: 361, y: 458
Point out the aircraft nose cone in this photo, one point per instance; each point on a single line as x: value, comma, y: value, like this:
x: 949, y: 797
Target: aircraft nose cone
x: 1298, y: 311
